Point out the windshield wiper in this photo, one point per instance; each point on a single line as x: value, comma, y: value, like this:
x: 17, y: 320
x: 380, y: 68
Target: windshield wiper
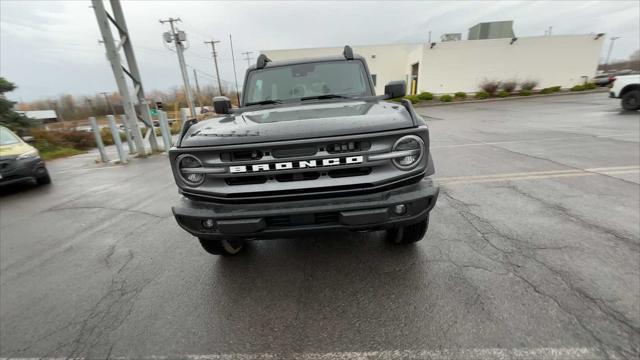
x: 264, y: 102
x: 326, y: 96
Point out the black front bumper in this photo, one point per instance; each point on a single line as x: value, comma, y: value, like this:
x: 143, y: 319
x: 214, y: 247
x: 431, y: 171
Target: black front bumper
x: 363, y: 212
x: 16, y: 171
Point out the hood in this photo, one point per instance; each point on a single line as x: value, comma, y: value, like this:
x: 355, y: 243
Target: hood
x: 299, y: 122
x: 13, y: 150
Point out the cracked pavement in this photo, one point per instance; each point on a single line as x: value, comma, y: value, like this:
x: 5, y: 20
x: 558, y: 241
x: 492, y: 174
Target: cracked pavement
x: 95, y: 266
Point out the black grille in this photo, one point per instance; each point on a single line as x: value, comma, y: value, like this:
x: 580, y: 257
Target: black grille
x: 246, y: 180
x: 309, y: 175
x: 302, y: 219
x: 350, y: 172
x: 350, y: 146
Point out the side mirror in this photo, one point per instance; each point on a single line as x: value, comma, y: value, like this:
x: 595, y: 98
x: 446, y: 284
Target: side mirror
x: 28, y: 139
x: 221, y: 105
x: 395, y: 89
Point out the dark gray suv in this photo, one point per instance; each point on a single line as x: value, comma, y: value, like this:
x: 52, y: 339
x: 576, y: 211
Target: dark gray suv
x: 311, y: 148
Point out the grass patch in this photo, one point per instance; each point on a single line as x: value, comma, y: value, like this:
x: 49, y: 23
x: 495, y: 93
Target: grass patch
x: 60, y: 153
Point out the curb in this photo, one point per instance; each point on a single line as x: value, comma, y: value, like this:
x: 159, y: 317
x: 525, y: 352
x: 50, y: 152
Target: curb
x: 514, y: 97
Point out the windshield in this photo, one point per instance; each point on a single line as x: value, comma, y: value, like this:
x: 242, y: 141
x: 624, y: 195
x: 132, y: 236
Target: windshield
x: 7, y: 137
x: 294, y: 82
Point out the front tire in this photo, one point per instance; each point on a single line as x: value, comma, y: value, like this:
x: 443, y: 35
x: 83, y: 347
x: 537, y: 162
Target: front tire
x: 222, y: 247
x: 408, y: 234
x: 631, y: 100
x: 44, y: 179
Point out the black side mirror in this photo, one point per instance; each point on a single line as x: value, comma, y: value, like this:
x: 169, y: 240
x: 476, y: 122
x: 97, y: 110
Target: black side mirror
x: 28, y: 139
x: 221, y: 105
x: 395, y: 89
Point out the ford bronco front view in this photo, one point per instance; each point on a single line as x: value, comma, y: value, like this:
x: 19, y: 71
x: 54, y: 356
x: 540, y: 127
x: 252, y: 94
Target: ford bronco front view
x: 311, y: 148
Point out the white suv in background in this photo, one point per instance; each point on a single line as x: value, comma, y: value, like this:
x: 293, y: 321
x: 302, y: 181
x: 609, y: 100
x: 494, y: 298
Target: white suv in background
x: 627, y: 88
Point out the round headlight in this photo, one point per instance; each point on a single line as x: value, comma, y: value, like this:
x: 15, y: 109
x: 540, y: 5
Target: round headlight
x: 414, y: 146
x: 187, y: 168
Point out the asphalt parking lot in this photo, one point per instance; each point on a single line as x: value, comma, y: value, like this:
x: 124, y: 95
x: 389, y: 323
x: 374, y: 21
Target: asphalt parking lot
x: 533, y: 252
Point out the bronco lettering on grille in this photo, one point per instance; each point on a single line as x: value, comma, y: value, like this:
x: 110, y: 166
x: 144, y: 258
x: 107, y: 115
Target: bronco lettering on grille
x: 302, y: 164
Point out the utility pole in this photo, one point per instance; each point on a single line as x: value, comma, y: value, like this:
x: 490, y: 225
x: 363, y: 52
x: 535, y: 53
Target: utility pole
x: 106, y: 96
x: 178, y: 37
x: 247, y: 56
x: 195, y: 76
x: 105, y: 20
x: 215, y: 61
x: 235, y: 75
x: 613, y: 40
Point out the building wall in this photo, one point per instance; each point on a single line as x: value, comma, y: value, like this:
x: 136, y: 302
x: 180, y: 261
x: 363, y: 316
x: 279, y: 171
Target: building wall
x: 550, y: 60
x: 463, y: 65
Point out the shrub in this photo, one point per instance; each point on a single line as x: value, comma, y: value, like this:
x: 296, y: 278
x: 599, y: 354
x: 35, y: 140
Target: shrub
x: 525, y: 92
x: 396, y: 100
x: 528, y: 85
x: 413, y: 98
x: 555, y: 88
x: 590, y: 86
x: 75, y: 139
x: 481, y: 95
x: 460, y: 95
x: 503, y: 93
x: 425, y: 96
x: 105, y: 134
x: 59, y: 152
x: 546, y: 91
x: 80, y: 140
x: 578, y: 88
x: 490, y: 86
x: 446, y: 98
x: 176, y: 127
x: 509, y: 86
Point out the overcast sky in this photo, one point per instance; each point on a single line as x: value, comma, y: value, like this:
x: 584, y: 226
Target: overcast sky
x: 49, y: 48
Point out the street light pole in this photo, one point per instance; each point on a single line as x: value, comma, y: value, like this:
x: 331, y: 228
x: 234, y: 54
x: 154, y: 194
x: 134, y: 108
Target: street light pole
x: 613, y: 40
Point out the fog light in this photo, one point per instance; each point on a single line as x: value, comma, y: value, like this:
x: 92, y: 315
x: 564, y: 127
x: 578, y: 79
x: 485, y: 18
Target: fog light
x: 400, y: 209
x: 208, y: 224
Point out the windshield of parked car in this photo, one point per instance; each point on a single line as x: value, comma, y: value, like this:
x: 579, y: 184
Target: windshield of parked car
x: 7, y: 137
x: 309, y: 80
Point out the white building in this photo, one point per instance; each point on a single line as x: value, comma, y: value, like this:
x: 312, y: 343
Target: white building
x: 447, y: 67
x: 41, y: 116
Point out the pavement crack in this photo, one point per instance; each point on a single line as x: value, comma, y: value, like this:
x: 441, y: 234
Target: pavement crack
x: 586, y: 309
x: 555, y: 162
x: 105, y: 208
x: 627, y: 240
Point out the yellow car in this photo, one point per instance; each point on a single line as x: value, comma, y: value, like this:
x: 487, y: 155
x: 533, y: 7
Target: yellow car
x: 20, y: 161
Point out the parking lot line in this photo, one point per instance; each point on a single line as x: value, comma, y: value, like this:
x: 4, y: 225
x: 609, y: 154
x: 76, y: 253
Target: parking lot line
x: 483, y: 143
x: 442, y: 354
x: 616, y: 170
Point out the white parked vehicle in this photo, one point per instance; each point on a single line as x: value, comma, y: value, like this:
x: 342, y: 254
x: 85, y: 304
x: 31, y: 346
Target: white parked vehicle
x: 627, y: 88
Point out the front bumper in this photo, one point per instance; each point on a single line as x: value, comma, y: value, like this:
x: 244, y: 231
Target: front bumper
x: 612, y: 94
x: 16, y: 171
x: 363, y: 212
